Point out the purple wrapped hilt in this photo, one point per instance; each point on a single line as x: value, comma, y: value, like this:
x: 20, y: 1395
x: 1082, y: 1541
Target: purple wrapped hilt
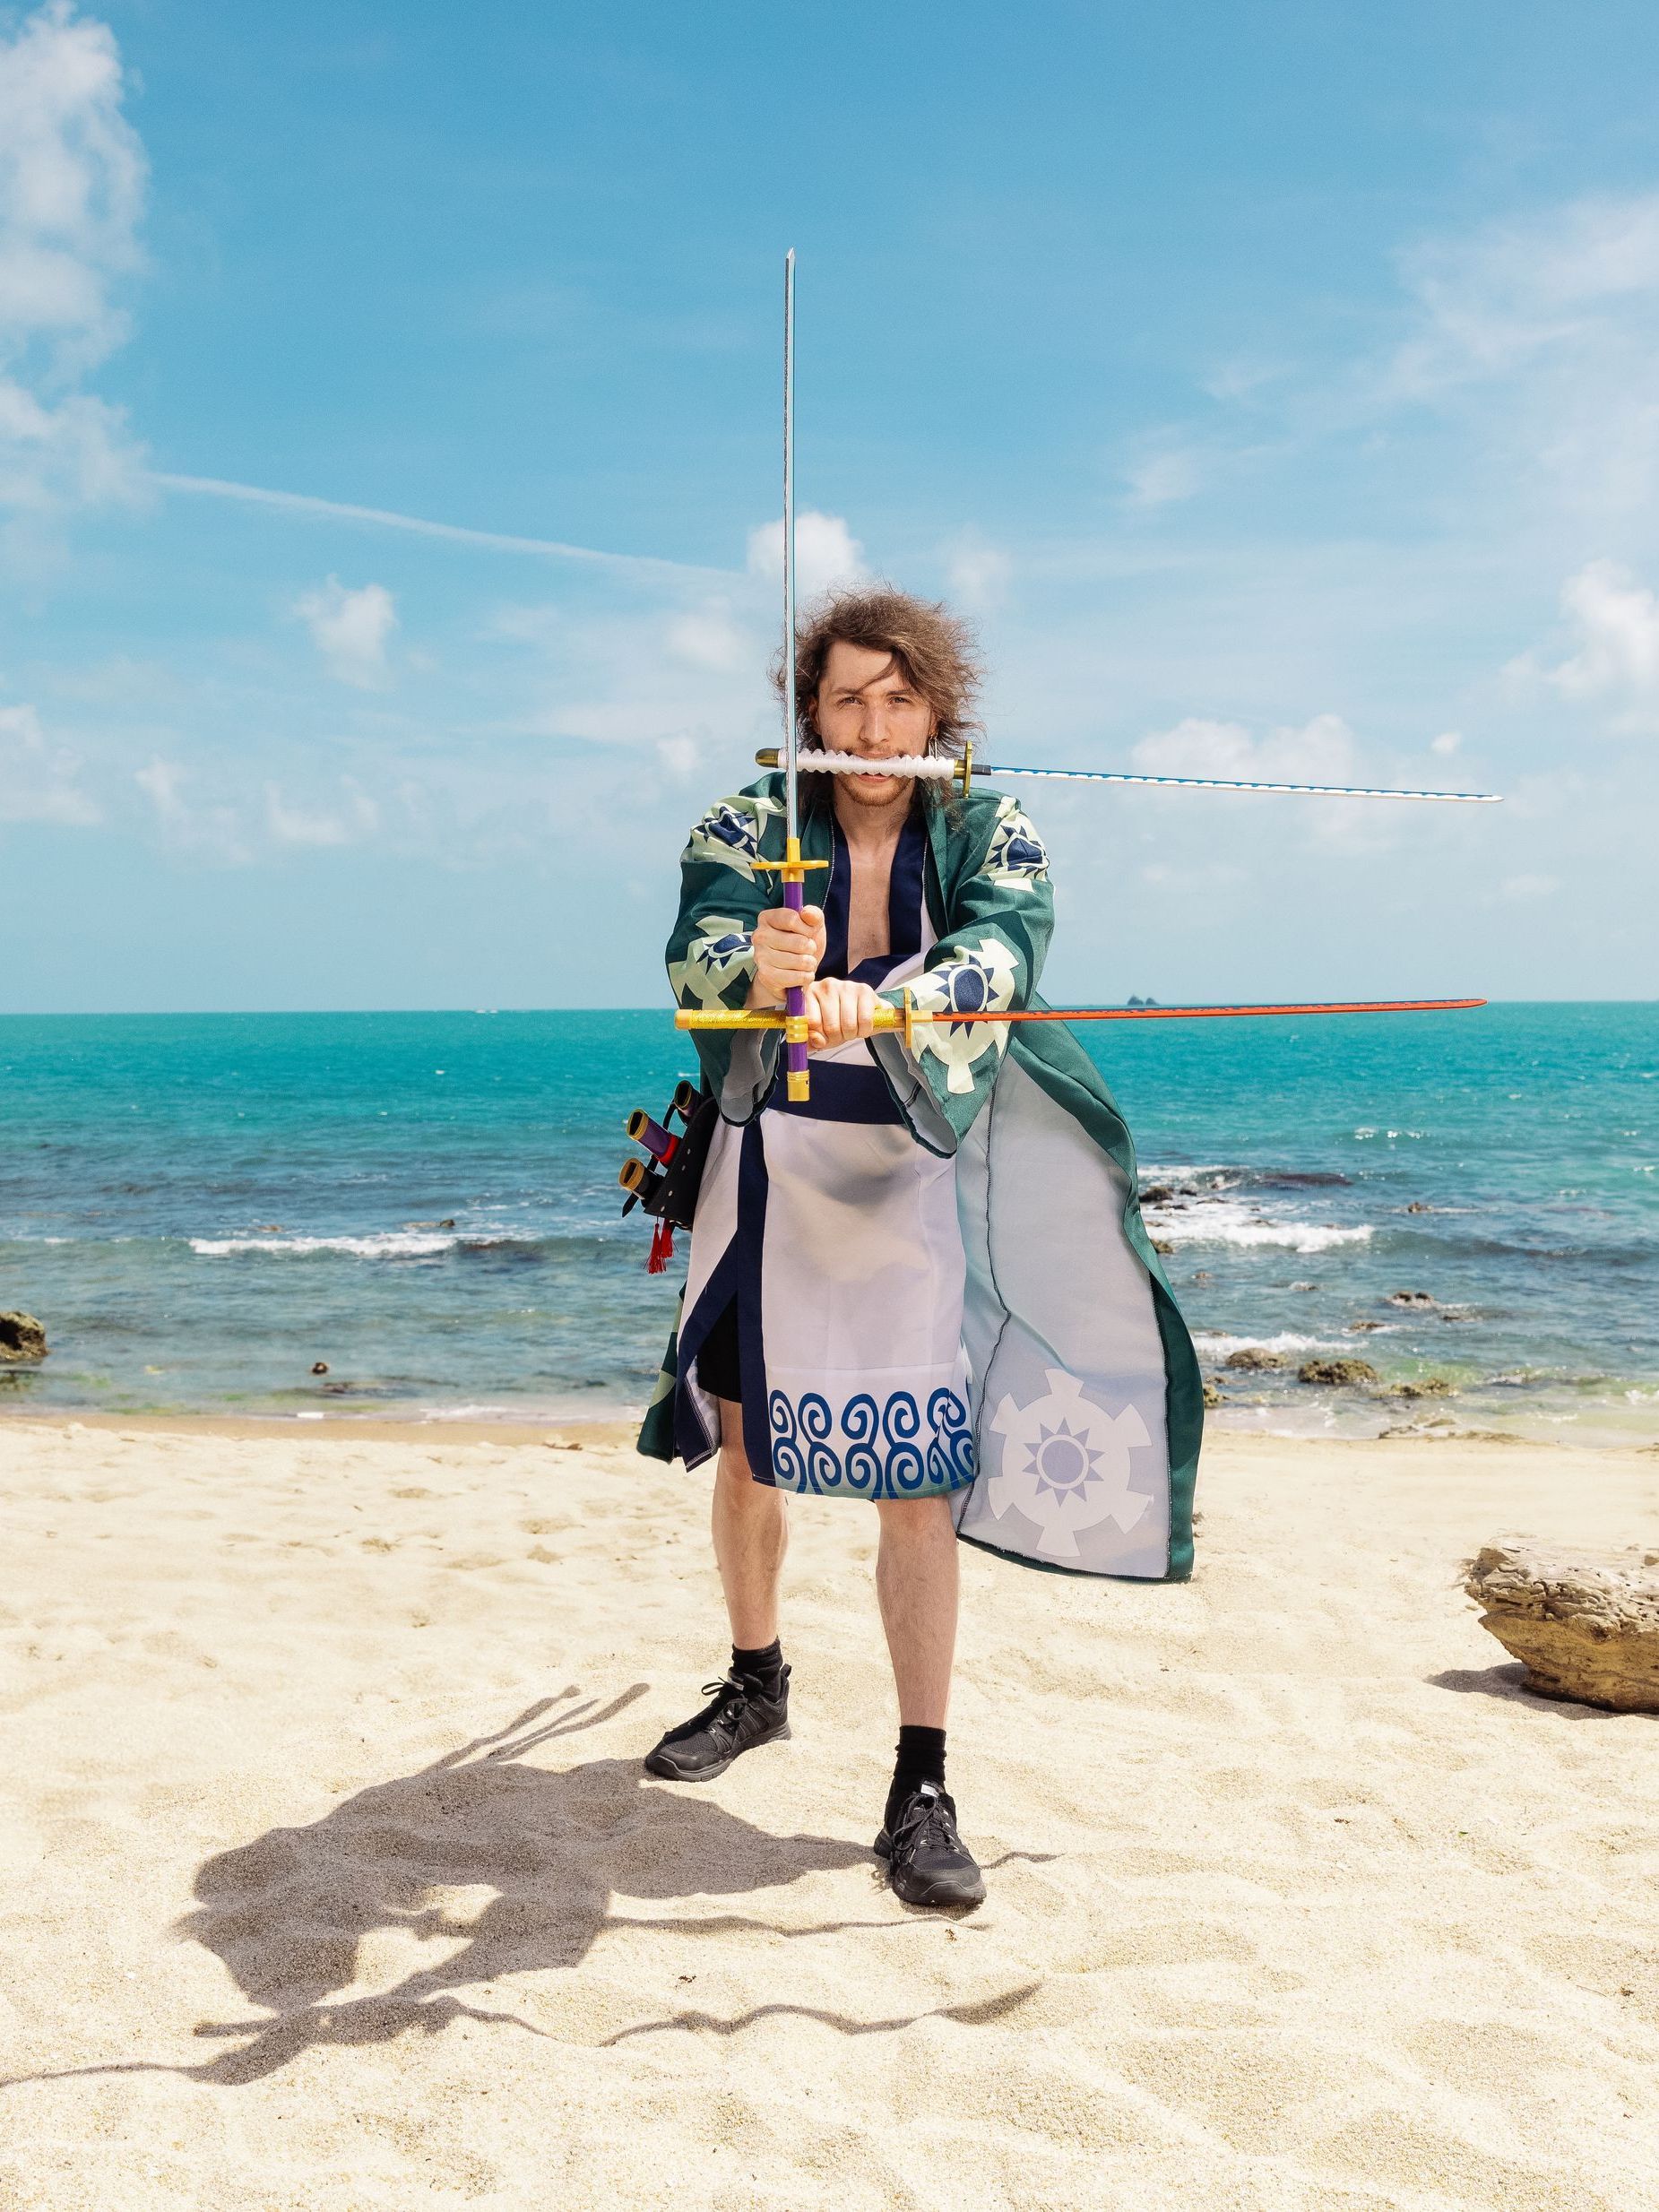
x: 795, y: 1008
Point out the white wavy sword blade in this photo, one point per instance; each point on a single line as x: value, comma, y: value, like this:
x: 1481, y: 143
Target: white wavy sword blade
x: 942, y: 768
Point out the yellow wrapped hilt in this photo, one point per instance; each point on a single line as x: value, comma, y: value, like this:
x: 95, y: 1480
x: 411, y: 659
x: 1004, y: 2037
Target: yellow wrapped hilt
x: 906, y: 1018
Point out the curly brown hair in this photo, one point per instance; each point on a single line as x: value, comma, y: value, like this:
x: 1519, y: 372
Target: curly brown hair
x: 933, y: 649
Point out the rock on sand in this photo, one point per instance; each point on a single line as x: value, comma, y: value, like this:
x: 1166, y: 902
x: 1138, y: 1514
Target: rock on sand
x: 1587, y: 1628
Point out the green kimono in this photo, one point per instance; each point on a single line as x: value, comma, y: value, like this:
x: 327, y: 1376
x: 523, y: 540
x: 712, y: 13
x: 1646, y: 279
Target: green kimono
x: 1069, y: 1435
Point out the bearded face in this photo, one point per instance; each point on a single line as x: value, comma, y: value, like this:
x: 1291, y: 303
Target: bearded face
x: 866, y: 705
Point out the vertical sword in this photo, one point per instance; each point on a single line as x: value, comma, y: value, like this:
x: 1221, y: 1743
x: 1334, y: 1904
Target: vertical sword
x: 792, y: 869
x: 794, y: 887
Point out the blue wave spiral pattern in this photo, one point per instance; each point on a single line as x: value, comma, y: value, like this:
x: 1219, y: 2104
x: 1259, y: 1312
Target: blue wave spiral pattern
x: 889, y: 1449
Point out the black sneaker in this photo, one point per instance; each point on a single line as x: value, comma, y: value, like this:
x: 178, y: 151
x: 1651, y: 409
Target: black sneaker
x: 928, y: 1862
x: 741, y: 1717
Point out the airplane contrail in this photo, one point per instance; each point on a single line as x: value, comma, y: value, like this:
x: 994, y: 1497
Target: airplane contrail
x: 457, y: 533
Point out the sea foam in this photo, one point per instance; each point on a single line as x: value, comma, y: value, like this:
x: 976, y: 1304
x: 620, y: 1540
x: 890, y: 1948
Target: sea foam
x: 1229, y: 1221
x: 387, y: 1244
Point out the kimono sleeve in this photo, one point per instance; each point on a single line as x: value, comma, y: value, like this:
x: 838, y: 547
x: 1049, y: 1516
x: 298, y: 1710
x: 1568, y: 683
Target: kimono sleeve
x: 711, y: 954
x: 999, y: 917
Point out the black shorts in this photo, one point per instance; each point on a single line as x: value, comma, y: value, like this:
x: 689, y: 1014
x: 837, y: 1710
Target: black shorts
x: 719, y: 1368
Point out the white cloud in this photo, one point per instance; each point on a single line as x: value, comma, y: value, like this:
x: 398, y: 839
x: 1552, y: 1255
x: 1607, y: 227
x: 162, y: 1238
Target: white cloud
x: 826, y: 553
x: 1162, y: 474
x: 977, y: 571
x: 1448, y: 741
x: 1321, y: 751
x: 72, y: 190
x: 1616, y: 620
x: 351, y: 630
x: 709, y: 638
x: 301, y: 825
x: 680, y: 756
x: 212, y: 833
x: 37, y: 780
x: 648, y: 678
x: 1521, y: 890
x: 1512, y: 291
x: 1543, y: 333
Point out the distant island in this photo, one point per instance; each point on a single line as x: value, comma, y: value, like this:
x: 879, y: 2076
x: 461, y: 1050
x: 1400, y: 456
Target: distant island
x: 1143, y: 1002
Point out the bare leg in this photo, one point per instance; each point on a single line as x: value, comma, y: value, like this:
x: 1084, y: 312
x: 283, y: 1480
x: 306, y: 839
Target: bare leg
x: 751, y: 1535
x: 916, y: 1584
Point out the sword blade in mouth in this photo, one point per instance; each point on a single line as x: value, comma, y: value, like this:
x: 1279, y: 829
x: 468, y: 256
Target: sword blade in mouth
x: 943, y: 768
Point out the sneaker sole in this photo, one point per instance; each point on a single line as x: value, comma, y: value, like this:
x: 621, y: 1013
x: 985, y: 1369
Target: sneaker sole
x: 664, y: 1769
x: 939, y: 1895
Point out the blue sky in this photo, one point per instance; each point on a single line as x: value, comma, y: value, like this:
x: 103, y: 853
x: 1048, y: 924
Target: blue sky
x: 1278, y: 389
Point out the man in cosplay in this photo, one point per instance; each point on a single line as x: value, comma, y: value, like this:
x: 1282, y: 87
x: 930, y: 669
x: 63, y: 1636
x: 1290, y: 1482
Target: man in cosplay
x: 927, y: 1285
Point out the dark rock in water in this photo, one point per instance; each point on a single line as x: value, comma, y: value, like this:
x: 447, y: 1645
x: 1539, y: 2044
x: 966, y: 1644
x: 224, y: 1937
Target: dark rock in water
x: 1363, y: 1328
x: 1408, y: 1298
x: 1156, y: 1194
x: 319, y: 1366
x: 1255, y: 1358
x: 448, y: 1222
x: 1429, y: 1386
x: 1340, y: 1374
x: 1159, y: 1245
x: 1417, y: 1206
x: 1203, y: 1275
x: 1211, y: 1395
x: 21, y: 1337
x: 267, y: 1228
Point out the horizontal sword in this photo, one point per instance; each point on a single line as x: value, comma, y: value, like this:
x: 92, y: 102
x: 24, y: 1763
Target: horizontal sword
x: 910, y: 1016
x: 945, y: 768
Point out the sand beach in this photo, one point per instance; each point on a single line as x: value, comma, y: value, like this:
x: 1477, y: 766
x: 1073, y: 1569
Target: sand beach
x: 332, y: 1879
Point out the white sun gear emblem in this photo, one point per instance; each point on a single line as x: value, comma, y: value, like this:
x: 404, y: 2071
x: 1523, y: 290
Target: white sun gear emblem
x: 980, y: 979
x: 1065, y: 1464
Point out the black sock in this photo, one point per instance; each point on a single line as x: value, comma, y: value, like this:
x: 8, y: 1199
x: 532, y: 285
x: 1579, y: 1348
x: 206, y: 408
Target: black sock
x: 765, y: 1667
x: 921, y: 1758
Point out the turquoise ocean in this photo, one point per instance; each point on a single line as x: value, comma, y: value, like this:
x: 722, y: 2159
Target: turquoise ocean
x: 202, y: 1207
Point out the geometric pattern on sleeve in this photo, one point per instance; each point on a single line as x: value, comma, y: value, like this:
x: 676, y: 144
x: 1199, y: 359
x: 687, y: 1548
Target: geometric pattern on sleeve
x: 721, y: 954
x: 1016, y: 857
x: 729, y: 835
x: 981, y: 979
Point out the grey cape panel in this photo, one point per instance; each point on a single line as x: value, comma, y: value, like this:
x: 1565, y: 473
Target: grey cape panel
x: 1088, y: 1402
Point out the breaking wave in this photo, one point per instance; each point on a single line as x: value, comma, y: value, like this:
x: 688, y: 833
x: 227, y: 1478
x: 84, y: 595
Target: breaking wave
x: 1220, y: 1220
x: 384, y: 1244
x: 1218, y: 1345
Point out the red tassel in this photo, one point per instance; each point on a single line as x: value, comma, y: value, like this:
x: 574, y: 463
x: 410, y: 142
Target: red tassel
x: 662, y: 1248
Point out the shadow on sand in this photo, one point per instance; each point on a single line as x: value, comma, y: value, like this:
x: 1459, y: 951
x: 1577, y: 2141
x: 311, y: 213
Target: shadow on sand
x: 289, y: 1912
x: 1511, y: 1683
